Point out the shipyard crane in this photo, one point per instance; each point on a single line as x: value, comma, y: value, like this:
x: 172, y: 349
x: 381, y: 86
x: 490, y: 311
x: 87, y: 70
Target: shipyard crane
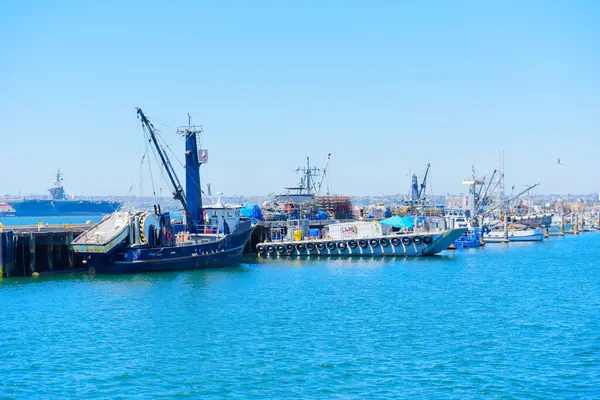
x: 424, y: 184
x: 323, y: 176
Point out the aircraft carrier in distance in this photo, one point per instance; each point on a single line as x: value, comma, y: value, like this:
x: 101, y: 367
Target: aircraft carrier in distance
x: 57, y: 205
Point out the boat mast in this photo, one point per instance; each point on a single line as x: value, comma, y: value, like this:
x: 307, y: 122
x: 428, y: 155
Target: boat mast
x: 308, y: 177
x: 482, y: 201
x: 58, y: 178
x: 178, y: 193
x: 505, y: 206
x: 194, y: 158
x: 323, y: 176
x: 306, y: 181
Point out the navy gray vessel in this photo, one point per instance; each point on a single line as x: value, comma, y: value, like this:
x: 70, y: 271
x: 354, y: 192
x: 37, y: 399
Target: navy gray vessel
x: 58, y: 204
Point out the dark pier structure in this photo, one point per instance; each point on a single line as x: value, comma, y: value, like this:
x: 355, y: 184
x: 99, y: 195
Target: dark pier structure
x: 27, y: 251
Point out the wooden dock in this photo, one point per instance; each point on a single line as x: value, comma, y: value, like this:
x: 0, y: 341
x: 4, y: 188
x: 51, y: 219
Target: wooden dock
x: 37, y: 249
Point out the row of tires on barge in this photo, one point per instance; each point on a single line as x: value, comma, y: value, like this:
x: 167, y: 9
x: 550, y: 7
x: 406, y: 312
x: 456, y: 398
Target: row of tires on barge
x: 340, y: 246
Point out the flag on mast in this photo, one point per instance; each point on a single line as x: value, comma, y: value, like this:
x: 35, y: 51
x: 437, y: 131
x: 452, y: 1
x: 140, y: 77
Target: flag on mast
x: 203, y: 156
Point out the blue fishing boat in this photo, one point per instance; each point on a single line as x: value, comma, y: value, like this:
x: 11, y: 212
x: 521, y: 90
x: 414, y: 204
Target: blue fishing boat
x: 152, y: 241
x: 470, y: 238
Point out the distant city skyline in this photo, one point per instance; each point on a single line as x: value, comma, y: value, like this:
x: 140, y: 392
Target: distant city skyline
x: 385, y: 87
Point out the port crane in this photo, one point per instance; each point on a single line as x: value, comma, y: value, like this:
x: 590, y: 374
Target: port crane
x: 424, y: 183
x: 417, y: 192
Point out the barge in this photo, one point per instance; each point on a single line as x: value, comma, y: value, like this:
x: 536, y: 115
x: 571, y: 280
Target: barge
x: 352, y: 239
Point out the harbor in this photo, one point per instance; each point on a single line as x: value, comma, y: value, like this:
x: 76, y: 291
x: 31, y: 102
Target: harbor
x: 40, y: 249
x: 284, y: 200
x: 299, y: 223
x: 260, y: 279
x: 196, y: 230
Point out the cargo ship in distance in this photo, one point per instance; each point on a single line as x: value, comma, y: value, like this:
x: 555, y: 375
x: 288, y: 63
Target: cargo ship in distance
x: 57, y: 205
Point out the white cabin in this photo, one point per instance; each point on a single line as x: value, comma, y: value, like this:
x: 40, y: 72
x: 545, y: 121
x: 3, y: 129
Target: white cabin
x: 216, y: 216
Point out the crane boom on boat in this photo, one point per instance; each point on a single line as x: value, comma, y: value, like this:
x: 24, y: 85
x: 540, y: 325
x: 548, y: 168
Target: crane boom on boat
x: 178, y: 193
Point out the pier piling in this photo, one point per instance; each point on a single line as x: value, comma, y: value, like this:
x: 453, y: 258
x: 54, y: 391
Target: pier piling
x: 6, y: 253
x: 25, y: 251
x: 50, y: 250
x: 31, y: 253
x: 1, y: 256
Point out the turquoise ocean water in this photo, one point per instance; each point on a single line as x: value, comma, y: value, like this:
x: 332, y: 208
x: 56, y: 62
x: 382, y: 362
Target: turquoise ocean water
x: 21, y: 221
x: 519, y: 321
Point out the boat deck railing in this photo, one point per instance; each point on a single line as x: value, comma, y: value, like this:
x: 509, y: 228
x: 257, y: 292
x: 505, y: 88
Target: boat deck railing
x: 183, y: 239
x: 414, y: 232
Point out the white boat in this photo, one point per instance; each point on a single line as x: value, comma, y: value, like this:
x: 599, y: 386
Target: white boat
x: 514, y: 235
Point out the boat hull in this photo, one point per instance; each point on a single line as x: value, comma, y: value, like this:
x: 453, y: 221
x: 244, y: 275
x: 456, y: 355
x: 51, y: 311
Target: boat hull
x: 530, y: 235
x: 467, y: 243
x: 375, y: 246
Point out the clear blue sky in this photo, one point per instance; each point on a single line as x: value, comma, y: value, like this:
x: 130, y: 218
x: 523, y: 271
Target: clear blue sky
x: 384, y: 86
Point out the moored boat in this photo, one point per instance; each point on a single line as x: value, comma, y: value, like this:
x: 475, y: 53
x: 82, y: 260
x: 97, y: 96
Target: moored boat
x: 59, y: 204
x: 514, y: 235
x: 357, y: 239
x: 151, y: 241
x: 469, y: 239
x: 6, y: 210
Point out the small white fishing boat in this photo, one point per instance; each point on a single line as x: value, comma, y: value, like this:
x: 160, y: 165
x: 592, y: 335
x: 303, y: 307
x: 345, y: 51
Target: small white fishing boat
x: 514, y: 235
